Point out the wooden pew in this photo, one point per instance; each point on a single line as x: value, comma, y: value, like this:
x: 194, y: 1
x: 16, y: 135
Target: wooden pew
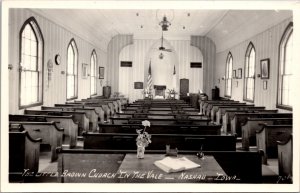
x: 245, y: 166
x: 24, y: 152
x: 285, y: 159
x: 222, y: 109
x: 253, y: 124
x: 162, y: 129
x: 267, y: 137
x: 79, y: 117
x: 47, y: 131
x: 91, y: 114
x: 66, y: 122
x: 204, y: 103
x: 159, y: 141
x: 98, y: 108
x: 209, y: 105
x: 114, y: 102
x: 171, y: 115
x: 216, y: 107
x: 229, y: 114
x: 161, y: 120
x: 239, y: 119
x: 103, y: 105
x: 167, y: 101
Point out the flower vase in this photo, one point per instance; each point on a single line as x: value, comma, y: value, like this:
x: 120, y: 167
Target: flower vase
x: 140, y: 151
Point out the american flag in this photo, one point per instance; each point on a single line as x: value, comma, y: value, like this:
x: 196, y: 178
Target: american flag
x: 149, y: 79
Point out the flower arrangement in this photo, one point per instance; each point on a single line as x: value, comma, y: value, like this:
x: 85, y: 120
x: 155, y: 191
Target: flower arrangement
x: 172, y: 91
x: 143, y: 138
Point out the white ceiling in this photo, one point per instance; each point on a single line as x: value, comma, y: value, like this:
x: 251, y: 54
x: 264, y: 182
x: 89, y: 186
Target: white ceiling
x: 99, y: 26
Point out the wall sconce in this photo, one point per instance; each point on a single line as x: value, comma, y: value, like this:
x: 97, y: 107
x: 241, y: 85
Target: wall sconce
x: 10, y: 66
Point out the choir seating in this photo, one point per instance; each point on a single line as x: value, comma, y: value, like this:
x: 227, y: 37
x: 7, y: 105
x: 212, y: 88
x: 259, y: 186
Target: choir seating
x: 222, y: 109
x: 285, y: 159
x: 91, y: 114
x: 159, y: 141
x: 239, y: 119
x: 267, y: 137
x: 47, y: 131
x: 66, y: 122
x: 254, y: 124
x: 229, y: 114
x: 159, y: 129
x: 24, y: 151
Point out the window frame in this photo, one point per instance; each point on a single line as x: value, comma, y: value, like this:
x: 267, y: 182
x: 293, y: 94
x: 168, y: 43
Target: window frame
x: 248, y: 52
x: 94, y: 54
x: 40, y: 45
x: 76, y: 78
x: 229, y: 55
x: 282, y: 44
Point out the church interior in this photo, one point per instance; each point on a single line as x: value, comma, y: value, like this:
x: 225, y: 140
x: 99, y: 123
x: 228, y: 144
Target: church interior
x: 158, y: 95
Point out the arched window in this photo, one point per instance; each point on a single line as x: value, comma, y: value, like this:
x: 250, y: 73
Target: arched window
x: 228, y: 75
x: 285, y: 68
x: 249, y: 82
x: 31, y: 64
x: 72, y: 63
x: 93, y: 73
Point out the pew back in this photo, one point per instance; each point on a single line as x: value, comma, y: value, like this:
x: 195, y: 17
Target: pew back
x: 159, y: 141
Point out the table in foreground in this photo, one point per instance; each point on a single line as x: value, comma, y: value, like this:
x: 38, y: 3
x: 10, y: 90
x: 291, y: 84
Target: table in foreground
x: 133, y: 170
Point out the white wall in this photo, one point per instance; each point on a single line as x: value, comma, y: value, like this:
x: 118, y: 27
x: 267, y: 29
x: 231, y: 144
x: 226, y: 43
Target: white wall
x: 208, y: 49
x: 142, y: 51
x: 56, y: 40
x: 267, y: 46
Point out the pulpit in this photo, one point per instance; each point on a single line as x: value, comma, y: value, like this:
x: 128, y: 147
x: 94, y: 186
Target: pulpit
x: 159, y: 91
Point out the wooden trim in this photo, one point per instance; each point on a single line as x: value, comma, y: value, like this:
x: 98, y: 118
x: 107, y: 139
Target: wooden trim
x: 284, y: 107
x: 32, y: 19
x: 247, y: 100
x: 75, y: 97
x: 30, y: 105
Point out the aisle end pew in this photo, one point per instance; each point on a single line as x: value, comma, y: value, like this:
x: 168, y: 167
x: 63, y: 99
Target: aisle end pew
x: 47, y: 131
x: 66, y: 122
x: 267, y: 137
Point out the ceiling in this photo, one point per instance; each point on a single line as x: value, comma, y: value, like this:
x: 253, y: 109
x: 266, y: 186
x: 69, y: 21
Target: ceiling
x: 100, y: 25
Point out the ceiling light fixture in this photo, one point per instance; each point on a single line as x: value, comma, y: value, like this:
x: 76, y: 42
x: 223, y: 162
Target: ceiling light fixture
x: 167, y: 16
x: 164, y: 24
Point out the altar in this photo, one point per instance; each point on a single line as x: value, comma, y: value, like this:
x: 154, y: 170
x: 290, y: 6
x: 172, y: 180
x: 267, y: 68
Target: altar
x: 159, y: 91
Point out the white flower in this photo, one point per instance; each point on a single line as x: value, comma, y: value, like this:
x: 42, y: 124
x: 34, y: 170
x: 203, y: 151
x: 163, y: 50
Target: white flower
x: 146, y: 123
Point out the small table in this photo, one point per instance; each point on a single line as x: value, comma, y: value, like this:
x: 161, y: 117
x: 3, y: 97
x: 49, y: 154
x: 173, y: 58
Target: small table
x: 134, y: 170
